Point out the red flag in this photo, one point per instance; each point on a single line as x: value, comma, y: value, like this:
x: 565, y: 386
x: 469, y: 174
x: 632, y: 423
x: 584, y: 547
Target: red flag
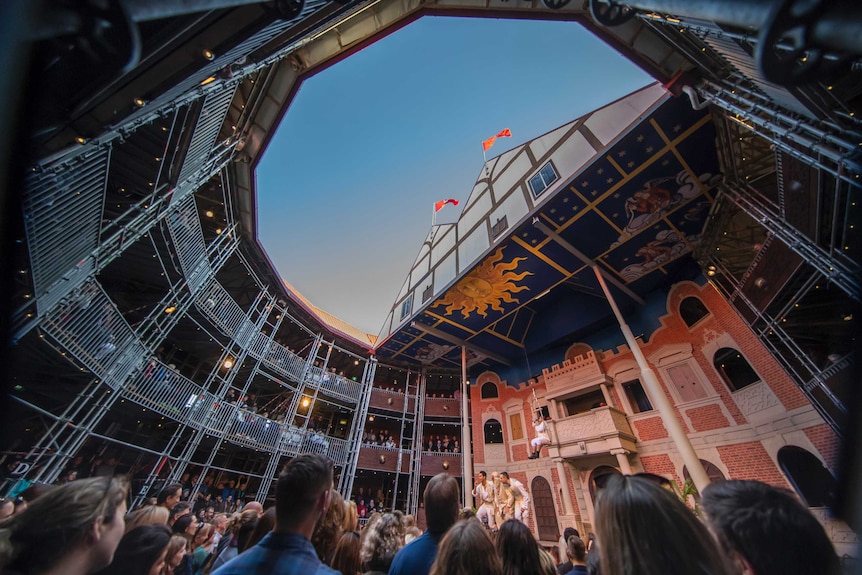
x: 439, y: 205
x: 486, y: 144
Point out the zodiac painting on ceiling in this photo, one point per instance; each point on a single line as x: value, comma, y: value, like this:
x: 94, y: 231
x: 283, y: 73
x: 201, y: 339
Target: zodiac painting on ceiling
x: 667, y: 246
x: 660, y: 196
x: 432, y: 351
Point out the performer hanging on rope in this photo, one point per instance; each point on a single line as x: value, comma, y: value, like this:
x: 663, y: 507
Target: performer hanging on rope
x: 484, y: 490
x: 542, y: 437
x: 520, y: 494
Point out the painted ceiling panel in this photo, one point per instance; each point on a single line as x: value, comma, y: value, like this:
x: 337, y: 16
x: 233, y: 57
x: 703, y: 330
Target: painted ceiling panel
x: 638, y: 208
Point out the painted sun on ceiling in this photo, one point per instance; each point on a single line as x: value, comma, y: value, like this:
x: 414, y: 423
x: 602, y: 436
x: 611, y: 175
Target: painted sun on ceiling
x: 491, y: 284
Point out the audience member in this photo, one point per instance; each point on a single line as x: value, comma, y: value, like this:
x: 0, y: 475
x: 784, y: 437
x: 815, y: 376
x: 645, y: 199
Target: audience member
x: 302, y: 496
x: 169, y: 495
x: 346, y: 557
x: 518, y: 550
x: 565, y: 564
x: 329, y: 529
x: 411, y: 532
x: 141, y: 551
x: 643, y: 527
x: 264, y: 526
x: 202, y: 547
x: 351, y: 517
x: 576, y: 551
x: 254, y: 505
x: 238, y: 532
x: 73, y: 529
x: 593, y: 559
x: 180, y: 509
x: 175, y: 555
x: 765, y: 530
x: 148, y: 515
x: 379, y: 546
x: 466, y: 549
x: 441, y: 500
x: 7, y: 508
x: 186, y: 526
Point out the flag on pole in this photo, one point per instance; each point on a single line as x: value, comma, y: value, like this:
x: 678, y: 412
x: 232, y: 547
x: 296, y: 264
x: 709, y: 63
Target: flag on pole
x: 439, y: 205
x: 486, y: 144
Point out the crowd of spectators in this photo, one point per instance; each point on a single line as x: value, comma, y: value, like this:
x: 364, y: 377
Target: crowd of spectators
x: 82, y: 527
x: 441, y: 444
x: 381, y: 437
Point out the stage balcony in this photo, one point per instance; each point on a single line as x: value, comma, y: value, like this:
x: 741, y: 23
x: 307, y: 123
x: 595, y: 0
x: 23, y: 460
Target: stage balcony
x: 600, y: 431
x: 391, y: 400
x: 380, y: 458
x: 442, y: 407
x: 434, y: 462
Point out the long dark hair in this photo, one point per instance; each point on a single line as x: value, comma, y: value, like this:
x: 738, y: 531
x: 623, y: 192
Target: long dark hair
x: 466, y: 549
x: 643, y: 528
x: 518, y: 549
x: 346, y: 557
x: 139, y: 549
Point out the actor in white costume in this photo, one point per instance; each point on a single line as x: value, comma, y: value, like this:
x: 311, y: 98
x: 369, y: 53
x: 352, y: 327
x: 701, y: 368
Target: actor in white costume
x: 521, y: 495
x: 484, y: 491
x: 542, y: 437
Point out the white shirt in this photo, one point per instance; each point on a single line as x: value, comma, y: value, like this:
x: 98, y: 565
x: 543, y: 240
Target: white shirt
x: 541, y: 430
x: 519, y: 491
x: 485, y: 493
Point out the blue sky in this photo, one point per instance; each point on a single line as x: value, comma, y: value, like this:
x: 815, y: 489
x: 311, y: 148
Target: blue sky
x: 346, y: 187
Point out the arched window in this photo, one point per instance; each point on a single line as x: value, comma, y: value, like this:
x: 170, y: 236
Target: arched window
x: 811, y: 480
x: 489, y: 390
x: 734, y: 369
x: 493, y: 431
x: 692, y: 310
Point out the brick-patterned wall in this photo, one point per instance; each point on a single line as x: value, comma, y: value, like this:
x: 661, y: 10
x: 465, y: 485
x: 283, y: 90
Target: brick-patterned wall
x: 826, y: 442
x: 651, y: 428
x: 707, y: 417
x: 660, y: 465
x: 751, y: 461
x: 561, y: 509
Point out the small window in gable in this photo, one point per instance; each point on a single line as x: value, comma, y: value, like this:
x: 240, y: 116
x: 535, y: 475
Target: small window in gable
x: 692, y: 310
x: 540, y: 182
x: 734, y: 369
x: 493, y: 431
x: 489, y: 391
x: 406, y: 306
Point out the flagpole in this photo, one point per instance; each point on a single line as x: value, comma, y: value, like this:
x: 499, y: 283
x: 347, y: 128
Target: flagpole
x: 485, y: 161
x: 433, y: 215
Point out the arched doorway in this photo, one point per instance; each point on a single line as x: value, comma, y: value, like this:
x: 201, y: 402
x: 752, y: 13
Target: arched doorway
x: 546, y: 513
x: 811, y: 480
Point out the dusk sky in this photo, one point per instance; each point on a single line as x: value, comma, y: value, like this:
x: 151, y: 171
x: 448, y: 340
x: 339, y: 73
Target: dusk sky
x: 346, y: 187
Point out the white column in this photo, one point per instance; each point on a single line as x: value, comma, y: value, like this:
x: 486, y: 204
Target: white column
x: 657, y: 396
x: 623, y: 460
x: 609, y: 399
x: 568, y: 508
x: 466, y: 451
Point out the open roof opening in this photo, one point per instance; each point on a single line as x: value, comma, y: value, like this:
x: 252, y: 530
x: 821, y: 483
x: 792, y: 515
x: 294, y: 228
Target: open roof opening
x: 370, y: 143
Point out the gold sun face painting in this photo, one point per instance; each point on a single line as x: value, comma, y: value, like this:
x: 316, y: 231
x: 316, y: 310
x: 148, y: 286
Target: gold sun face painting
x: 488, y: 286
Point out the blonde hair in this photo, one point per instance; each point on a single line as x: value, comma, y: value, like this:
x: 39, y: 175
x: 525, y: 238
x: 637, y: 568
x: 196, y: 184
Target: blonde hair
x: 381, y: 542
x: 351, y: 516
x: 57, y: 522
x: 149, y: 515
x: 176, y: 543
x: 203, y: 534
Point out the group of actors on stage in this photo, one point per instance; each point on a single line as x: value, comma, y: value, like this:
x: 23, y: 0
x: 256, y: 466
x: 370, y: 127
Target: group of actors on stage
x: 504, y: 497
x: 500, y: 498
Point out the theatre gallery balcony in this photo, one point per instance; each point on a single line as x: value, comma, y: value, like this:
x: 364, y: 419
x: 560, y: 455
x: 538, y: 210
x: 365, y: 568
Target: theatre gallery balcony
x: 603, y: 430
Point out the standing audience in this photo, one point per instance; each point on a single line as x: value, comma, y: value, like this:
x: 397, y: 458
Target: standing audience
x: 346, y: 557
x: 441, y: 498
x: 379, y: 546
x: 643, y: 528
x: 576, y: 551
x: 301, y: 498
x: 142, y: 551
x: 765, y: 530
x: 519, y: 551
x: 73, y: 529
x: 329, y: 529
x: 148, y: 515
x: 466, y: 549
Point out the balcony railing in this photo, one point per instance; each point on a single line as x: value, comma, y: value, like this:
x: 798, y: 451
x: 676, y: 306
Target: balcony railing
x: 597, y: 431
